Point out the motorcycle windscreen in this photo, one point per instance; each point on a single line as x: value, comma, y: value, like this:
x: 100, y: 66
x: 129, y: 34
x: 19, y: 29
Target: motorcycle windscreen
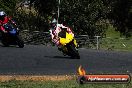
x: 13, y: 31
x: 69, y: 38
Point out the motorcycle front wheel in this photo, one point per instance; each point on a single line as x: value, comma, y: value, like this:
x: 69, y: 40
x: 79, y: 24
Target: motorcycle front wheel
x: 20, y: 42
x: 73, y: 52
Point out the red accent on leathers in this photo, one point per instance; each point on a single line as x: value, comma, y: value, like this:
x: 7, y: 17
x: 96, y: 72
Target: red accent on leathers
x: 55, y: 34
x: 2, y: 22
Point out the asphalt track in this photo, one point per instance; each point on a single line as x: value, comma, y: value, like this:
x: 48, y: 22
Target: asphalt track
x: 47, y: 60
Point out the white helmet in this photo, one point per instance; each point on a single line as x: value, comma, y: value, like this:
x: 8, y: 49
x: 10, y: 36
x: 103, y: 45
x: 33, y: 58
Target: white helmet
x: 54, y: 21
x: 2, y: 13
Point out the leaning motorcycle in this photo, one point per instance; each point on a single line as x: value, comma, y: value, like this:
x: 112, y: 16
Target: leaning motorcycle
x: 12, y: 36
x: 69, y: 44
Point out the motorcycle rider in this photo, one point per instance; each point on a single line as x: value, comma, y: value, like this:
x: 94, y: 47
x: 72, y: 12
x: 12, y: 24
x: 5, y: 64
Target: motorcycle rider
x: 55, y: 29
x: 3, y: 20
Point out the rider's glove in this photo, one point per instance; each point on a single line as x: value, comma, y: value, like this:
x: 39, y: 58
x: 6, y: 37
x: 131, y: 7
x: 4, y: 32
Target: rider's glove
x: 4, y: 31
x: 18, y: 29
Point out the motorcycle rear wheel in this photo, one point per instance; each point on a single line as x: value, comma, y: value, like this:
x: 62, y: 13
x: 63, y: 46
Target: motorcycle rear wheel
x: 5, y: 43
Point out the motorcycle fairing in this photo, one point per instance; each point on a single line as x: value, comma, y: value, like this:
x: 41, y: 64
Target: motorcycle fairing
x: 66, y: 40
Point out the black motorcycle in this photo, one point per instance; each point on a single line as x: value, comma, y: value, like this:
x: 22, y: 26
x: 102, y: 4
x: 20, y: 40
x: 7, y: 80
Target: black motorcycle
x: 12, y: 36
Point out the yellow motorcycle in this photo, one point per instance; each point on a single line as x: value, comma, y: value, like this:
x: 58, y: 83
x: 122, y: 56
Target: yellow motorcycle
x: 69, y: 44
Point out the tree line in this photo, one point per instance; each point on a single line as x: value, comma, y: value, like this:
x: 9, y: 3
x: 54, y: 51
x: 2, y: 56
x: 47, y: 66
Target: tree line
x: 91, y: 17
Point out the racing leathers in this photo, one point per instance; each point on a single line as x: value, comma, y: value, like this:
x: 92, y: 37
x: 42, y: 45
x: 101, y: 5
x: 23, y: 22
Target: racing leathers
x: 55, y: 31
x: 4, y: 21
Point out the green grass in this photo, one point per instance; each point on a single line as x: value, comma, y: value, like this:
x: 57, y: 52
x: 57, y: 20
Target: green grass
x: 58, y: 84
x: 114, y: 41
x: 116, y: 44
x: 112, y: 33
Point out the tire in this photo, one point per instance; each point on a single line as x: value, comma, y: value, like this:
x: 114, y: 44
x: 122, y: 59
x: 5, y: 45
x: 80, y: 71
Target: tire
x: 5, y: 43
x: 20, y: 42
x: 73, y: 52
